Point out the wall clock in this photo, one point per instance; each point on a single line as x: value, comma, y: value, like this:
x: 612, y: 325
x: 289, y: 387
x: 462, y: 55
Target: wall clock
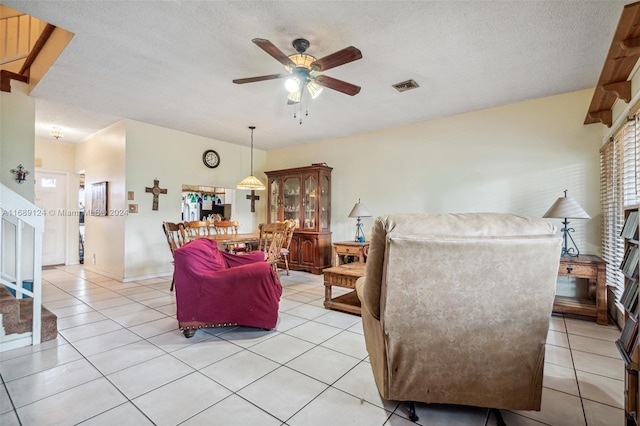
x: 211, y: 159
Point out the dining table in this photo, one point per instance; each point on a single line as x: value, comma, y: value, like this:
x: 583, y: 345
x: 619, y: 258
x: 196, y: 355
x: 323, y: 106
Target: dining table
x: 227, y: 241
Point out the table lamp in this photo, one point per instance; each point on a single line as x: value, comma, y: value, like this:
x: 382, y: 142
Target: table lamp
x: 359, y: 210
x: 567, y: 208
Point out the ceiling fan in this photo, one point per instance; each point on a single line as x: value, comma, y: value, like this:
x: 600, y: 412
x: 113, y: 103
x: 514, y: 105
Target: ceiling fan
x: 301, y: 67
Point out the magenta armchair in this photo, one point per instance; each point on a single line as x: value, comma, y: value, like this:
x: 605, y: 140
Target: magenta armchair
x: 217, y: 289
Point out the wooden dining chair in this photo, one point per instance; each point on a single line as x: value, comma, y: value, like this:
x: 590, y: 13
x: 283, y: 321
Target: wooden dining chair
x: 272, y: 238
x: 175, y: 238
x: 286, y: 246
x: 197, y: 229
x: 226, y: 227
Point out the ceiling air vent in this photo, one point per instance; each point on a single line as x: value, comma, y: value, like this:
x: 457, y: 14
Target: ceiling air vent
x: 406, y: 85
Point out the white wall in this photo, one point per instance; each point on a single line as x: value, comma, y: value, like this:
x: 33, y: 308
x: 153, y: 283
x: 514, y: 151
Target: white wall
x: 130, y: 155
x: 17, y: 133
x: 103, y: 156
x: 516, y: 158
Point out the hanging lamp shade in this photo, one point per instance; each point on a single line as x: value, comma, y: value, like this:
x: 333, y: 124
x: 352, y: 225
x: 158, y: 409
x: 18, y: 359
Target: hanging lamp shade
x: 251, y: 182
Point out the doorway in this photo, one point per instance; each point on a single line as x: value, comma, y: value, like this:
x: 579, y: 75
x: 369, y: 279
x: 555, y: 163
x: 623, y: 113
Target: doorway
x: 51, y: 197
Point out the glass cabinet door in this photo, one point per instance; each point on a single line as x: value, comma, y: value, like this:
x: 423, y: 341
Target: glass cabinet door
x: 291, y: 200
x: 324, y: 203
x: 275, y: 201
x: 310, y: 202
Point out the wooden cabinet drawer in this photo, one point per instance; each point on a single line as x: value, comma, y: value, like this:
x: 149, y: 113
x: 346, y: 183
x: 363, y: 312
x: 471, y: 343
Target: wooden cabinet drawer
x: 352, y: 251
x: 573, y: 269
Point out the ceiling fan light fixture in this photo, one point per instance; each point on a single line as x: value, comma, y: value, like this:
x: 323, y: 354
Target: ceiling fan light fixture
x: 301, y: 66
x: 314, y: 89
x: 295, y: 97
x: 302, y: 60
x: 292, y: 84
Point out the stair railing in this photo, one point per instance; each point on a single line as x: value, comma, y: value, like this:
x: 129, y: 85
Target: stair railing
x: 21, y: 229
x: 18, y: 34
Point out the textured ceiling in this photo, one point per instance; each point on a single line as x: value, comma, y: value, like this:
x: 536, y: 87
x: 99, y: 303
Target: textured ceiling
x: 171, y: 63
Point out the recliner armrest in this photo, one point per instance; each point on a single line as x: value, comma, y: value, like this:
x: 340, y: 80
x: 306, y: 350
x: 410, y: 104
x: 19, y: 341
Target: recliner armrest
x: 360, y: 290
x: 372, y: 285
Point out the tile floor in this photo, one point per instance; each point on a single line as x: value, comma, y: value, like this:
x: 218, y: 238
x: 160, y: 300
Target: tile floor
x: 120, y: 360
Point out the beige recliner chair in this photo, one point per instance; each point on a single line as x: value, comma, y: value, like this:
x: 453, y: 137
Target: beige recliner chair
x: 456, y: 308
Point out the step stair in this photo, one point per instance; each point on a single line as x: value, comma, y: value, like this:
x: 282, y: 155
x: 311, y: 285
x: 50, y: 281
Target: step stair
x: 17, y: 315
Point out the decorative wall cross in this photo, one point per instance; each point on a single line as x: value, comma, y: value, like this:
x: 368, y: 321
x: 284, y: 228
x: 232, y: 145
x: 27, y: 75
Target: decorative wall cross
x: 253, y: 197
x: 155, y: 190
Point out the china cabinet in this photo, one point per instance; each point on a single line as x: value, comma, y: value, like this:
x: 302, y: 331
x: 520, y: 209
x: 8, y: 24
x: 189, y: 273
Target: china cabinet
x: 303, y: 195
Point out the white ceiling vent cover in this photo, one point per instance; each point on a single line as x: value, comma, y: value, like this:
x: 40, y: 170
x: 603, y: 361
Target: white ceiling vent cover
x: 406, y: 85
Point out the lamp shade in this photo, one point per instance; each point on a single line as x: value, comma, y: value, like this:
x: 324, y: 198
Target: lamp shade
x: 251, y: 182
x: 566, y: 207
x: 359, y: 210
x: 314, y: 89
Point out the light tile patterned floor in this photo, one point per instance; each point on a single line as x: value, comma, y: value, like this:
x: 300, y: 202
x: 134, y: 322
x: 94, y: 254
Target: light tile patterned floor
x: 120, y: 360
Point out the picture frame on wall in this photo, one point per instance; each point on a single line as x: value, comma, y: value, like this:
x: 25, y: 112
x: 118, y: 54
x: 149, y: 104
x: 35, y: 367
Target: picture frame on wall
x: 99, y: 199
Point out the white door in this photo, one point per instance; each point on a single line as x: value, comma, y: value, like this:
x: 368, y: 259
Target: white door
x: 51, y: 196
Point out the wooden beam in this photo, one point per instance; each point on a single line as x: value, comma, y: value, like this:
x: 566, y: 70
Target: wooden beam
x: 631, y: 45
x: 621, y: 89
x: 37, y: 47
x: 605, y: 117
x: 621, y: 60
x: 7, y: 76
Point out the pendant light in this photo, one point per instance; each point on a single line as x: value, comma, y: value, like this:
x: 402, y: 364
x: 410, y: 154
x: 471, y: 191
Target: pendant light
x: 251, y: 182
x: 56, y: 132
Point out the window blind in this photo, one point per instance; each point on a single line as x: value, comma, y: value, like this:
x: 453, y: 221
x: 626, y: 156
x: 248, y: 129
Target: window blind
x: 629, y: 167
x: 612, y: 244
x: 619, y: 189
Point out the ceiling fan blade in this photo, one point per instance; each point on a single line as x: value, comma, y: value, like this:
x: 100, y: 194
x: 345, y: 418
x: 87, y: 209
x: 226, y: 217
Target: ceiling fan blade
x: 339, y: 85
x: 344, y: 56
x: 260, y: 78
x: 272, y: 50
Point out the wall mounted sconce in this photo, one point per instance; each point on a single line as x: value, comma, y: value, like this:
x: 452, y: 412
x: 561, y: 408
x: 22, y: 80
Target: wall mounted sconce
x: 21, y: 173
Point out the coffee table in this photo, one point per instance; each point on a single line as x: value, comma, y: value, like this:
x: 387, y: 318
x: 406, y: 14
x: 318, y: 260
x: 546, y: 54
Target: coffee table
x: 343, y: 276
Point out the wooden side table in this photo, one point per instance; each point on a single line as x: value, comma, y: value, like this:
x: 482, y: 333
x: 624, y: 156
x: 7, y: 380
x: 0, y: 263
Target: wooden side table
x: 343, y: 276
x: 348, y: 248
x: 592, y: 268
